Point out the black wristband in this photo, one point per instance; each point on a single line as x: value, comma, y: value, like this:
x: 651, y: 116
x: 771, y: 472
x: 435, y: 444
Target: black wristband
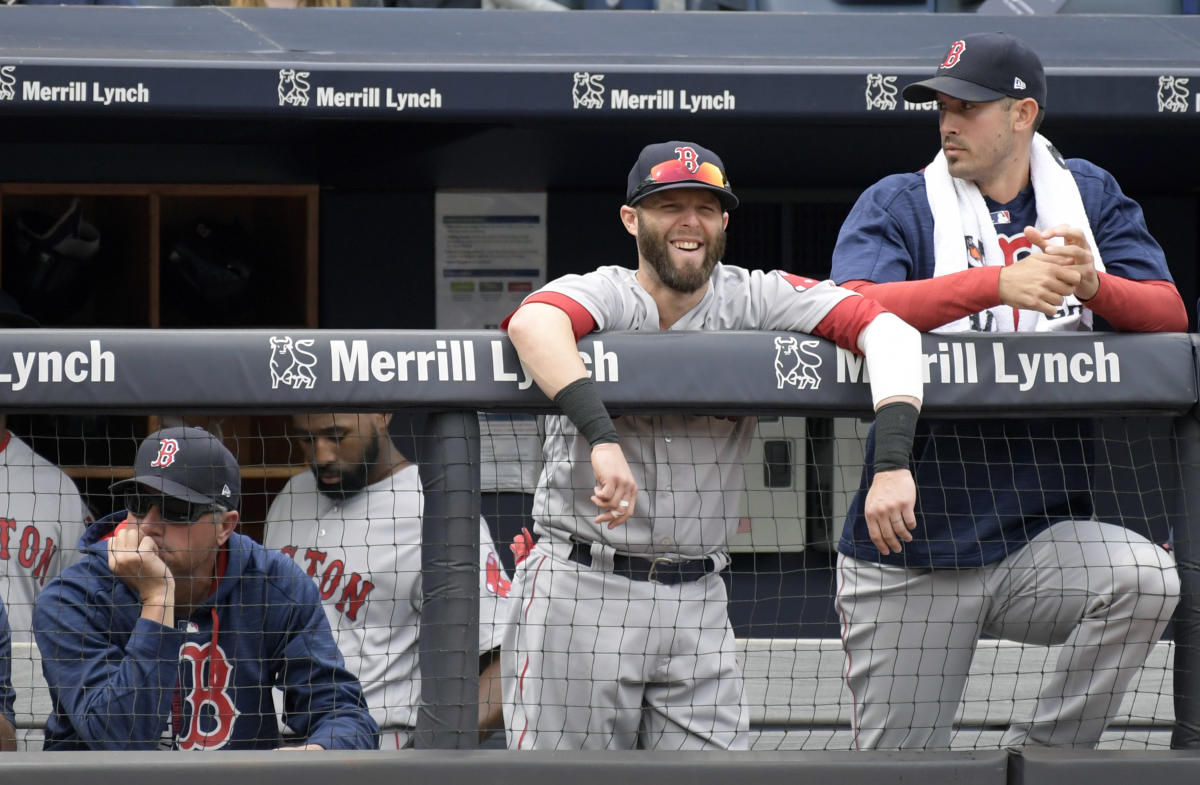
x: 894, y: 427
x: 583, y: 407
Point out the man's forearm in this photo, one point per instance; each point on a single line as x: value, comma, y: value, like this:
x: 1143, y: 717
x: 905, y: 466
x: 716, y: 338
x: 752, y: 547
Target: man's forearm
x: 544, y: 341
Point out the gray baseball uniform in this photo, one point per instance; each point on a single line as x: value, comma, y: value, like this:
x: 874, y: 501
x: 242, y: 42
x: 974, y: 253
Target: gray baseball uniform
x: 42, y: 517
x: 598, y: 656
x: 365, y: 555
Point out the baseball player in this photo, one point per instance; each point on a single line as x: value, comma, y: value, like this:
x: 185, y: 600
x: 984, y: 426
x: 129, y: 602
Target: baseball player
x: 999, y: 234
x: 173, y: 629
x: 621, y: 638
x: 354, y: 524
x: 42, y: 515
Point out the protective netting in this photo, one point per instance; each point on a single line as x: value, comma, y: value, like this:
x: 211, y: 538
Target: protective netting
x: 340, y: 496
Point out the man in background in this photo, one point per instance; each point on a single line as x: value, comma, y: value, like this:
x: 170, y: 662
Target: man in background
x: 353, y: 523
x: 42, y: 515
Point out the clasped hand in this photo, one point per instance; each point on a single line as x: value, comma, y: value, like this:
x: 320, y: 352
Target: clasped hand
x: 1041, y: 280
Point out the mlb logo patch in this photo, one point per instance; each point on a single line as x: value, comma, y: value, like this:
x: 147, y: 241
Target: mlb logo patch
x: 1001, y: 217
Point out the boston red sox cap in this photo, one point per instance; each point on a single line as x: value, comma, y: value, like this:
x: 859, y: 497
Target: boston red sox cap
x: 669, y: 165
x: 189, y: 464
x: 984, y: 67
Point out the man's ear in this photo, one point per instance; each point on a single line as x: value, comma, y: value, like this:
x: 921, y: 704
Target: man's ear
x: 630, y: 219
x: 1026, y: 112
x: 226, y: 526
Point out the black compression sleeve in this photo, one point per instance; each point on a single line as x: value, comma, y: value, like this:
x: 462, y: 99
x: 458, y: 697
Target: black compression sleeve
x: 582, y: 405
x: 894, y: 427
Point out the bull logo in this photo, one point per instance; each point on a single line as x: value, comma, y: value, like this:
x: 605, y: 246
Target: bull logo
x: 291, y: 365
x: 1173, y: 94
x: 293, y: 87
x: 8, y: 82
x: 881, y: 92
x: 588, y: 91
x: 796, y: 364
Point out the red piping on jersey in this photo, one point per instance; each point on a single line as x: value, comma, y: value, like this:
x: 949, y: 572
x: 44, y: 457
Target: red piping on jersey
x: 837, y: 601
x: 582, y: 321
x: 533, y: 587
x: 846, y: 321
x: 521, y: 692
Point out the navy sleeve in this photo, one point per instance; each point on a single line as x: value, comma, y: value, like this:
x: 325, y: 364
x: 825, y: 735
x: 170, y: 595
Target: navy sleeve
x: 8, y: 696
x: 1125, y: 243
x: 107, y: 695
x: 322, y: 701
x: 883, y: 236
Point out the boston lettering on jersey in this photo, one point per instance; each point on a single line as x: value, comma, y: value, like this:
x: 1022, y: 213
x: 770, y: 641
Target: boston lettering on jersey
x: 32, y: 551
x: 354, y: 587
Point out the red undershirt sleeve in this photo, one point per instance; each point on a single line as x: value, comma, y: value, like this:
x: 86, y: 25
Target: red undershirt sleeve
x: 846, y: 320
x: 932, y: 302
x: 1139, y: 306
x: 582, y: 321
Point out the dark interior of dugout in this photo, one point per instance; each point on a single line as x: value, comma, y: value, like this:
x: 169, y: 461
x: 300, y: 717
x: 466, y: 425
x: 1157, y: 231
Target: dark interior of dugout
x: 797, y: 182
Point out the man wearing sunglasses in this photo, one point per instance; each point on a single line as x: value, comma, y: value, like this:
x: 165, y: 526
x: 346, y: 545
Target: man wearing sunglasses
x: 621, y: 637
x: 354, y: 523
x: 173, y: 629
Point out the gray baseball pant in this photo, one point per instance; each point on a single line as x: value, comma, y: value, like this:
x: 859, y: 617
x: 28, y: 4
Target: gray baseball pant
x: 909, y: 635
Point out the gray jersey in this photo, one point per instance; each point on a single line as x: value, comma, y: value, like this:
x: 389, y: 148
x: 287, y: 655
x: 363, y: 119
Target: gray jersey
x: 364, y: 552
x: 688, y: 468
x: 42, y: 517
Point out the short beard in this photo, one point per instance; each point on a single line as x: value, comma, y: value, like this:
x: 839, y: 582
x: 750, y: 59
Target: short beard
x: 654, y: 249
x: 353, y: 480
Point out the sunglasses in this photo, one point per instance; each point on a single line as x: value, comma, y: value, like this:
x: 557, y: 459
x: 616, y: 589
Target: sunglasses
x: 171, y: 509
x: 675, y: 171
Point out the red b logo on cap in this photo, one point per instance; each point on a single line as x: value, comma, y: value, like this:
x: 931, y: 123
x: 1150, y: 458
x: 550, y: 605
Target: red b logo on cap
x: 688, y: 157
x: 167, y: 448
x: 952, y: 57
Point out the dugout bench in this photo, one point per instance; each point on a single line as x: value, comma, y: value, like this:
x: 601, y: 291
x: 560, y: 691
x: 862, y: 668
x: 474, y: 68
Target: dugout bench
x: 798, y: 700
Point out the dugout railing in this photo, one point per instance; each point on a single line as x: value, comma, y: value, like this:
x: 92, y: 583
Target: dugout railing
x: 456, y: 374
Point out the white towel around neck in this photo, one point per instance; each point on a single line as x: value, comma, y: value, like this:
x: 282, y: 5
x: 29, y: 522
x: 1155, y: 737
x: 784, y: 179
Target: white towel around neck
x: 959, y: 212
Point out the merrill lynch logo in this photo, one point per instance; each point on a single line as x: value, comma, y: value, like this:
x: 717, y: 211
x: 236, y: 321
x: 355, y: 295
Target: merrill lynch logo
x: 1173, y: 94
x: 8, y: 82
x: 796, y: 364
x: 291, y: 365
x: 293, y: 87
x: 588, y: 92
x: 881, y: 92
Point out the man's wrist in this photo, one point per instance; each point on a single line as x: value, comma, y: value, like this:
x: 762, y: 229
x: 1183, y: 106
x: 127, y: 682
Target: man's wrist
x: 580, y: 402
x: 895, y: 425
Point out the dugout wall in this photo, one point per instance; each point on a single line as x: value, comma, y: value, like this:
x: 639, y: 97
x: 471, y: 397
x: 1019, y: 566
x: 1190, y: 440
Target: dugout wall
x: 969, y: 376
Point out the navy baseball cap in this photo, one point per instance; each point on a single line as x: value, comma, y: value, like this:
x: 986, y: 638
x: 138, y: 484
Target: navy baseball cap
x: 669, y: 165
x: 189, y: 464
x: 984, y: 67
